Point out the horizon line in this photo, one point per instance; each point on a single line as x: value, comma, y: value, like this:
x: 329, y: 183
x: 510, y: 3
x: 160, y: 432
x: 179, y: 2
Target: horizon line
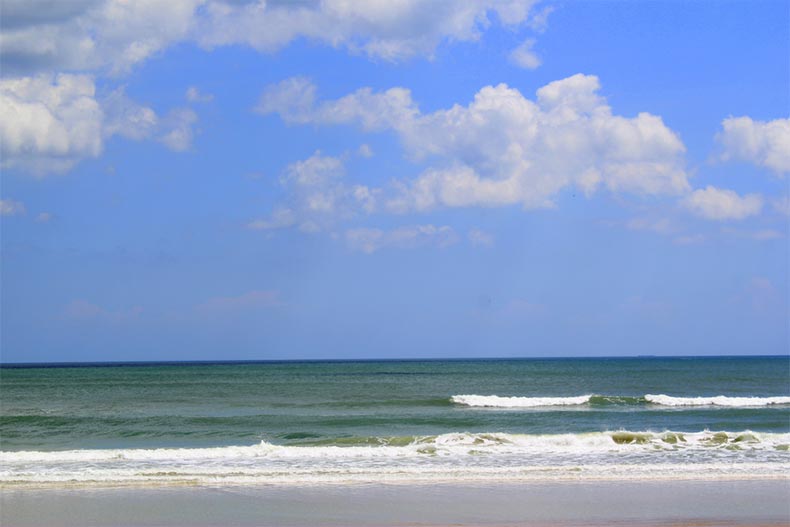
x: 209, y: 362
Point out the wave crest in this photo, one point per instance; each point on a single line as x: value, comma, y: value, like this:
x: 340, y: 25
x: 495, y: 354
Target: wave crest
x: 495, y: 401
x: 719, y: 400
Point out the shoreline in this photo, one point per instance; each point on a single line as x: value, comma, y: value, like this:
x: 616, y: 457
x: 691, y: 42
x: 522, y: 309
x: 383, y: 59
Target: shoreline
x: 393, y: 482
x: 654, y: 503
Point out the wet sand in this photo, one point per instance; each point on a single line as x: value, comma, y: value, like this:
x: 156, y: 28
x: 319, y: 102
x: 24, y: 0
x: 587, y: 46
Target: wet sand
x: 647, y: 503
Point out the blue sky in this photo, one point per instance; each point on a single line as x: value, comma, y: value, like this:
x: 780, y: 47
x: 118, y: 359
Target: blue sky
x: 205, y: 179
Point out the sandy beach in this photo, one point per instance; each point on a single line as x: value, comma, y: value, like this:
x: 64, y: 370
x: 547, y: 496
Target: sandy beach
x: 686, y: 503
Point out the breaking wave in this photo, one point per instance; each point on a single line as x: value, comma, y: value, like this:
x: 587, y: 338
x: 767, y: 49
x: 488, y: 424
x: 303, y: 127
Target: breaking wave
x: 496, y: 401
x: 447, y: 457
x: 720, y: 400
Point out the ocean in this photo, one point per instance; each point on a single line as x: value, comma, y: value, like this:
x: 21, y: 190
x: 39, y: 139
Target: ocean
x: 302, y: 423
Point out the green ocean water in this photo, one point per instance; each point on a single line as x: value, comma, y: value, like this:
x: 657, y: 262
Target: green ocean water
x: 404, y: 421
x: 199, y: 405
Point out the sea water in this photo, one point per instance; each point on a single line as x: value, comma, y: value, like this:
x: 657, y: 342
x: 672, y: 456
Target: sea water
x: 395, y: 421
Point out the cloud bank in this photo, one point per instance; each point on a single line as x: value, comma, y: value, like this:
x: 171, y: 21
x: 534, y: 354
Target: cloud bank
x: 503, y: 148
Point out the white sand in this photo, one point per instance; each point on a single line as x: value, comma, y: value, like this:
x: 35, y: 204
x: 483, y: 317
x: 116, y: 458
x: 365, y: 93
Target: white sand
x: 584, y: 503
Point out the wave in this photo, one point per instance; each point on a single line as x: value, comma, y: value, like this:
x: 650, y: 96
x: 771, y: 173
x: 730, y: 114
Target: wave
x: 454, y: 457
x: 496, y: 401
x: 451, y: 443
x: 719, y: 400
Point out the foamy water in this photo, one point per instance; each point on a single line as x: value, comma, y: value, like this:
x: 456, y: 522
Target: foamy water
x: 721, y: 400
x: 496, y: 401
x: 457, y: 457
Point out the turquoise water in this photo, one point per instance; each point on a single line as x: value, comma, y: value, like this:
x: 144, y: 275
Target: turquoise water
x: 396, y: 411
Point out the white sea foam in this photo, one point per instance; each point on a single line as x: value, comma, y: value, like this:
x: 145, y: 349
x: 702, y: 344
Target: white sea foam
x: 495, y: 401
x: 720, y: 400
x: 452, y: 444
x: 448, y: 457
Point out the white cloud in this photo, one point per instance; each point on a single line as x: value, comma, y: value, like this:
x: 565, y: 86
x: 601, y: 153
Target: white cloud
x: 9, y: 207
x: 720, y: 204
x: 44, y: 217
x: 480, y: 238
x: 317, y: 196
x: 540, y: 20
x: 765, y: 144
x: 48, y: 124
x: 84, y: 35
x: 371, y: 240
x: 132, y: 120
x: 177, y: 129
x: 194, y: 95
x: 504, y: 149
x: 295, y: 100
x: 128, y: 118
x: 524, y: 57
x: 115, y: 35
x: 383, y: 30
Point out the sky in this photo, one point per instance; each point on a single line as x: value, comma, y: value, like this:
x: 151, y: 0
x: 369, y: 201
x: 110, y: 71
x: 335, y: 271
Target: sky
x: 221, y: 180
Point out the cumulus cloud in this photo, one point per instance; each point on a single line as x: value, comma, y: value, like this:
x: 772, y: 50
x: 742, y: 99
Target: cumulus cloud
x: 9, y: 207
x: 524, y: 57
x: 317, y: 195
x: 720, y: 204
x: 503, y: 148
x: 115, y: 35
x: 49, y: 123
x: 540, y: 20
x: 390, y: 31
x: 132, y: 120
x: 128, y: 118
x: 410, y: 237
x: 178, y: 129
x: 763, y: 143
x: 85, y: 35
x: 295, y: 100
